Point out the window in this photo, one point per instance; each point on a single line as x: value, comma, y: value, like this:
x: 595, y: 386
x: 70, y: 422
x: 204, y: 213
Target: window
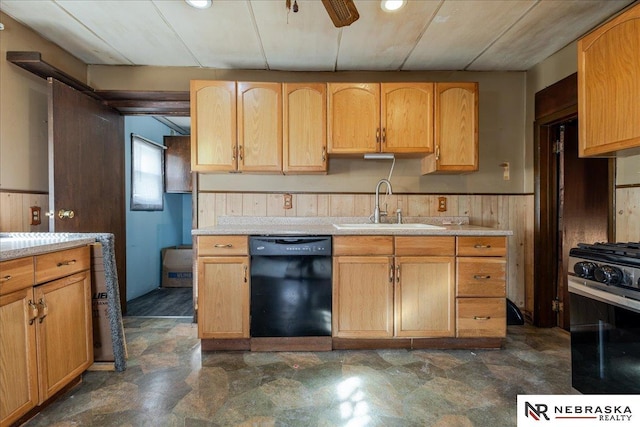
x: 147, y: 174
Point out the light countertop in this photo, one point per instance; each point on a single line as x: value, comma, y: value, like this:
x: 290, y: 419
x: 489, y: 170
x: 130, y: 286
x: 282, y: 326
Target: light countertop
x: 451, y: 226
x: 18, y: 245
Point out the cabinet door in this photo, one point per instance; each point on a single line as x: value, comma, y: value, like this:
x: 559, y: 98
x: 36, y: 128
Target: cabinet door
x: 260, y: 127
x: 18, y: 367
x: 354, y: 118
x: 64, y: 331
x: 213, y: 126
x: 608, y: 88
x: 455, y: 129
x: 424, y: 297
x: 407, y: 117
x: 177, y: 169
x: 363, y: 297
x: 223, y: 297
x: 305, y: 128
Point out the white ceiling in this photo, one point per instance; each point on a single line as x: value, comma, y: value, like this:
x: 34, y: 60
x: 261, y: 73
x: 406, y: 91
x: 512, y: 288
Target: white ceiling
x: 261, y: 34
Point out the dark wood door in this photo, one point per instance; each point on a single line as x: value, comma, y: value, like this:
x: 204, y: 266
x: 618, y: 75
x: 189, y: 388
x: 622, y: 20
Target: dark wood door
x: 86, y: 176
x: 583, y: 208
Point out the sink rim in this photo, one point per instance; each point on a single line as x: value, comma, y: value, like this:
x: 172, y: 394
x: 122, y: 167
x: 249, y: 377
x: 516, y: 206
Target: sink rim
x: 382, y: 226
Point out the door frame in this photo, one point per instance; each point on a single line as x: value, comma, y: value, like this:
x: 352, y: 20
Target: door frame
x: 553, y: 105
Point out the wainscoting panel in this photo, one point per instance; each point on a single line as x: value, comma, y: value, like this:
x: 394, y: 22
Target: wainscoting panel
x: 628, y: 214
x: 14, y: 212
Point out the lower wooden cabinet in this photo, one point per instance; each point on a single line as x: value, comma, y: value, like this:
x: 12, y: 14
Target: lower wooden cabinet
x: 363, y: 297
x: 384, y: 295
x: 481, y: 317
x: 19, y: 380
x: 481, y: 279
x: 223, y: 290
x: 424, y: 296
x: 46, y: 333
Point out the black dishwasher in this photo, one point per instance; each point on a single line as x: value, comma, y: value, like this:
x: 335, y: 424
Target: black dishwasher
x: 290, y: 286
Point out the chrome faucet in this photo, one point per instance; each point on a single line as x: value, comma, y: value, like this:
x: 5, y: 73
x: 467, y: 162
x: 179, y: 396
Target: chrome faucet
x: 376, y: 210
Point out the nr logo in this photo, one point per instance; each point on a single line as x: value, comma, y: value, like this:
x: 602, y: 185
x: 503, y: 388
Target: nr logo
x: 536, y: 411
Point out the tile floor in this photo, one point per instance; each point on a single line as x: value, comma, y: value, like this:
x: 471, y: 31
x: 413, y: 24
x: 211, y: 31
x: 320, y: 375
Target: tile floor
x: 168, y: 382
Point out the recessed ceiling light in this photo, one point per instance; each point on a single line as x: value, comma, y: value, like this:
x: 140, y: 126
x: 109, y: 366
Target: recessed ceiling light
x: 392, y: 5
x: 199, y: 4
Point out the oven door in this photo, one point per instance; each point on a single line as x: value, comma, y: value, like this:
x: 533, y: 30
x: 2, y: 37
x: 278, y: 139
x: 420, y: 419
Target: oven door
x: 605, y: 342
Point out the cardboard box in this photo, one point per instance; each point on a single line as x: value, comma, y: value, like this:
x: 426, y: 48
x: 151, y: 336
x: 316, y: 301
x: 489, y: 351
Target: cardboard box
x: 177, y: 267
x: 102, y: 342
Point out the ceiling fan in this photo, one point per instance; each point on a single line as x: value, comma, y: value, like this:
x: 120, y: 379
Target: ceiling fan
x: 341, y: 12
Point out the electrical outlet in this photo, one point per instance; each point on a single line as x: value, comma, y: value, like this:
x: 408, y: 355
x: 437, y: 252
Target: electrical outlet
x: 442, y: 204
x: 35, y: 214
x: 288, y: 201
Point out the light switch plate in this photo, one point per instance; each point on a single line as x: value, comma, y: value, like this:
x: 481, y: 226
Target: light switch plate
x: 288, y: 201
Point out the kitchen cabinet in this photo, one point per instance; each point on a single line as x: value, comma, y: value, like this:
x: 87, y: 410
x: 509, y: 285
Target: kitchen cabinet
x: 213, y: 126
x: 380, y: 117
x: 46, y: 334
x: 177, y: 166
x: 259, y: 127
x: 223, y: 287
x: 304, y: 138
x: 363, y: 286
x: 424, y: 286
x: 382, y: 292
x: 455, y: 129
x: 608, y: 88
x: 481, y: 286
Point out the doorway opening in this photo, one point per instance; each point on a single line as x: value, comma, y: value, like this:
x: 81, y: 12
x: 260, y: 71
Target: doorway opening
x: 574, y: 198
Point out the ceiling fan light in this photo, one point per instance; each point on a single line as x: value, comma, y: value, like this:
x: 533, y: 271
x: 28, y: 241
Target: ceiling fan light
x: 392, y: 5
x: 199, y: 4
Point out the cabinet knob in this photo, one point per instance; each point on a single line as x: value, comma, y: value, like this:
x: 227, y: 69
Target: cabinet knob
x: 33, y: 312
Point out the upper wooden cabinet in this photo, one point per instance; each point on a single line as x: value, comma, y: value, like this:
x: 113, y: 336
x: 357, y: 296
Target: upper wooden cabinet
x: 213, y: 126
x: 260, y: 127
x: 609, y: 87
x: 380, y: 117
x: 304, y: 139
x: 236, y: 126
x: 455, y: 129
x: 177, y: 169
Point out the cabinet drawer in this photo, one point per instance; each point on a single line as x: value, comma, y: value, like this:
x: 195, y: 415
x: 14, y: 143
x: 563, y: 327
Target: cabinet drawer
x: 481, y: 317
x: 481, y: 277
x: 16, y: 274
x: 362, y: 245
x: 62, y: 263
x: 425, y: 245
x: 223, y: 245
x: 481, y: 246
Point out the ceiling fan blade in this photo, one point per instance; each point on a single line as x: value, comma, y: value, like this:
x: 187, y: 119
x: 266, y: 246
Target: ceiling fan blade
x: 341, y: 12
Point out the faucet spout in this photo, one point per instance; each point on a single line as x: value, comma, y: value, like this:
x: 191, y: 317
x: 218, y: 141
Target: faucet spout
x: 376, y: 210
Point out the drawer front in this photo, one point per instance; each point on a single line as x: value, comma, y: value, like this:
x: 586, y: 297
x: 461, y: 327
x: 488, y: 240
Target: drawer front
x: 59, y: 264
x: 481, y: 277
x: 223, y: 245
x: 482, y: 246
x: 425, y: 245
x: 481, y: 317
x: 16, y: 274
x: 362, y: 245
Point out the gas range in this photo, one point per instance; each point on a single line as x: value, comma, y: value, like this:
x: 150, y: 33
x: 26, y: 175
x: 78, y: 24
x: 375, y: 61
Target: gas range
x: 611, y: 267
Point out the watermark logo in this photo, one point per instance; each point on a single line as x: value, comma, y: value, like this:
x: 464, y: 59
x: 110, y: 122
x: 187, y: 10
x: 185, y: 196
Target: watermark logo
x: 578, y: 410
x: 536, y: 411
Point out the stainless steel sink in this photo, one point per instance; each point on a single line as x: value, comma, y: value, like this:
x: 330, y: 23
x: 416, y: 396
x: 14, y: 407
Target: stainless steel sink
x: 383, y: 226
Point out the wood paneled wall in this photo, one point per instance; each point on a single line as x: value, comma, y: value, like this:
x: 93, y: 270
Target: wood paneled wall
x: 513, y: 212
x: 14, y: 211
x: 628, y: 214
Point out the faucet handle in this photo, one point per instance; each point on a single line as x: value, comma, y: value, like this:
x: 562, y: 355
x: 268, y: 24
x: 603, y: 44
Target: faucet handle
x: 399, y: 215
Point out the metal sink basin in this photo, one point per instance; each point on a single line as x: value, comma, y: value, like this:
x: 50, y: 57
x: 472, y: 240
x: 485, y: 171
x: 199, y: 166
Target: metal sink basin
x: 383, y: 226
